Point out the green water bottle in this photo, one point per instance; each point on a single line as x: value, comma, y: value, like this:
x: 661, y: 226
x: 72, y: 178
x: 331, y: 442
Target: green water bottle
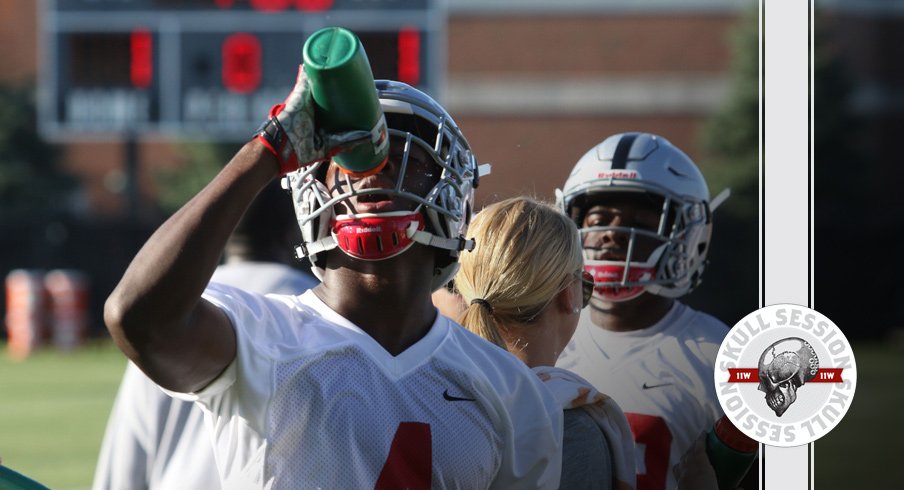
x: 730, y: 452
x: 342, y: 84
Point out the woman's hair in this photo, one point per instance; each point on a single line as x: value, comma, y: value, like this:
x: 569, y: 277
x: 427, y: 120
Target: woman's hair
x: 526, y: 252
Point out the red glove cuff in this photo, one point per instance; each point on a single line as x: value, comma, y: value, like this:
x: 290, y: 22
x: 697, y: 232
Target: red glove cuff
x: 273, y: 137
x: 275, y: 110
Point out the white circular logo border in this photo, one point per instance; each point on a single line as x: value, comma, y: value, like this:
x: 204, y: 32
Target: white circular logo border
x: 820, y: 403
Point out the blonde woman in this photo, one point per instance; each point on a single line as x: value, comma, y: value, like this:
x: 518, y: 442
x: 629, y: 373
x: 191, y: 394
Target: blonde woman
x: 523, y: 287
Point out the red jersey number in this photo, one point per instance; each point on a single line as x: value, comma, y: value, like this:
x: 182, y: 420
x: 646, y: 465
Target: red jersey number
x: 653, y: 433
x: 410, y: 461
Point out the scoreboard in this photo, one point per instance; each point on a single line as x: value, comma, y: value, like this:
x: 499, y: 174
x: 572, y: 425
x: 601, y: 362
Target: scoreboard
x: 210, y: 68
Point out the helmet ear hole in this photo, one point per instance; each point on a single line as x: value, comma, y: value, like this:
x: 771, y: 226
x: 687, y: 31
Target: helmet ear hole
x: 577, y: 209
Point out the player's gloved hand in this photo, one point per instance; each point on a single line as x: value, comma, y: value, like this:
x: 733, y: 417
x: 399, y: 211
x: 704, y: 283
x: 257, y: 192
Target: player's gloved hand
x: 290, y: 131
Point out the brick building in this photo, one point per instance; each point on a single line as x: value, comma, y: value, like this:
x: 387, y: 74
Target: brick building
x: 533, y: 86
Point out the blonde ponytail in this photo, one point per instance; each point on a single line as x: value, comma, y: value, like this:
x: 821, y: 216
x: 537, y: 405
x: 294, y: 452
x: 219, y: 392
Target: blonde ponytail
x: 525, y: 252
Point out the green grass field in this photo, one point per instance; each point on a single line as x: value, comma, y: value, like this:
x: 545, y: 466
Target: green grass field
x: 864, y: 450
x: 53, y: 409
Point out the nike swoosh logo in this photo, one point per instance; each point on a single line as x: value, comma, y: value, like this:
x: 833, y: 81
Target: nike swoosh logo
x: 451, y: 398
x: 647, y: 387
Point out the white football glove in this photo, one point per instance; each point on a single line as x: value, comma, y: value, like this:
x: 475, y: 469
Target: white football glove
x: 290, y: 131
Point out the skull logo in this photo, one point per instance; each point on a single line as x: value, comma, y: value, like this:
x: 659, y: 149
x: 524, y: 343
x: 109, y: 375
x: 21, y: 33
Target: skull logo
x: 784, y: 367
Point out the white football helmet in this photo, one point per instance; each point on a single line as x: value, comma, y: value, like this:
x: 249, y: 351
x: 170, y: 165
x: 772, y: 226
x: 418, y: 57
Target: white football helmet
x: 440, y: 218
x: 644, y: 163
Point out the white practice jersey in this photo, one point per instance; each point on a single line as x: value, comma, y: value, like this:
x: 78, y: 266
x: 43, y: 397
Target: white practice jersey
x: 155, y: 442
x: 264, y: 277
x: 661, y: 377
x: 313, y: 402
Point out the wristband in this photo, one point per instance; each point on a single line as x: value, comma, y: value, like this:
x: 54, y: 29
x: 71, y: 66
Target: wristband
x: 274, y: 138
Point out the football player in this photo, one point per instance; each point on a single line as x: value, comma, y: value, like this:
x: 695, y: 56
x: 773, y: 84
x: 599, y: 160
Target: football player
x: 645, y: 218
x: 154, y: 441
x: 358, y: 383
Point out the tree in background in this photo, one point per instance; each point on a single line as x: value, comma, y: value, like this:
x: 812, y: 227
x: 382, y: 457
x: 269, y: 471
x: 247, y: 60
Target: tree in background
x: 731, y: 135
x: 31, y: 183
x: 34, y: 193
x: 847, y: 215
x: 843, y: 212
x: 731, y: 144
x: 202, y: 162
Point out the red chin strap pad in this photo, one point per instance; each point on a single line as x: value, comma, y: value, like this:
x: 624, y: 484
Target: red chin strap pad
x: 615, y: 273
x: 377, y: 237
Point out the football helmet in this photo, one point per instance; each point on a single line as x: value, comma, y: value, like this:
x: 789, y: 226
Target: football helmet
x: 439, y: 218
x: 644, y: 163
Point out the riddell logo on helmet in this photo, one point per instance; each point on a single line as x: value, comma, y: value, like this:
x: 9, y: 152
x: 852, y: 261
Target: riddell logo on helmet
x: 617, y: 174
x: 366, y: 229
x: 785, y: 375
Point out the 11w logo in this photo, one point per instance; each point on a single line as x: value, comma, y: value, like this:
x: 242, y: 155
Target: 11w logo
x: 752, y: 375
x: 785, y: 375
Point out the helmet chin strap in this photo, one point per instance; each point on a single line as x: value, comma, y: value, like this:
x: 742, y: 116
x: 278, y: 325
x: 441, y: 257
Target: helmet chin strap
x: 431, y: 240
x: 381, y: 236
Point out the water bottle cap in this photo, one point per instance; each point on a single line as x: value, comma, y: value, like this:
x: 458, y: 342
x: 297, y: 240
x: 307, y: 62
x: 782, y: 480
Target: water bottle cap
x: 331, y: 47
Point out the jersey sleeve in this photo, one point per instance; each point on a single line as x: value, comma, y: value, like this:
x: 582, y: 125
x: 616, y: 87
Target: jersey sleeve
x: 533, y: 449
x: 128, y: 442
x: 260, y: 324
x: 586, y: 459
x: 153, y: 441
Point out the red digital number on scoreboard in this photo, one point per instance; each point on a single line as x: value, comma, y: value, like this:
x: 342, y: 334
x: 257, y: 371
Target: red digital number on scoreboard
x: 141, y: 66
x: 241, y: 63
x: 409, y: 56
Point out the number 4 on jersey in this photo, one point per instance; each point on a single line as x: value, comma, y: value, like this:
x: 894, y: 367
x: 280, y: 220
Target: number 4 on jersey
x: 410, y: 461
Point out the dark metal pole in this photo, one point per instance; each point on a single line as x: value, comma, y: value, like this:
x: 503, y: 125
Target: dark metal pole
x: 133, y: 197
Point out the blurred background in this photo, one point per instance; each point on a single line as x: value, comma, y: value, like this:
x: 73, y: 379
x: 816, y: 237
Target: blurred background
x: 114, y: 112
